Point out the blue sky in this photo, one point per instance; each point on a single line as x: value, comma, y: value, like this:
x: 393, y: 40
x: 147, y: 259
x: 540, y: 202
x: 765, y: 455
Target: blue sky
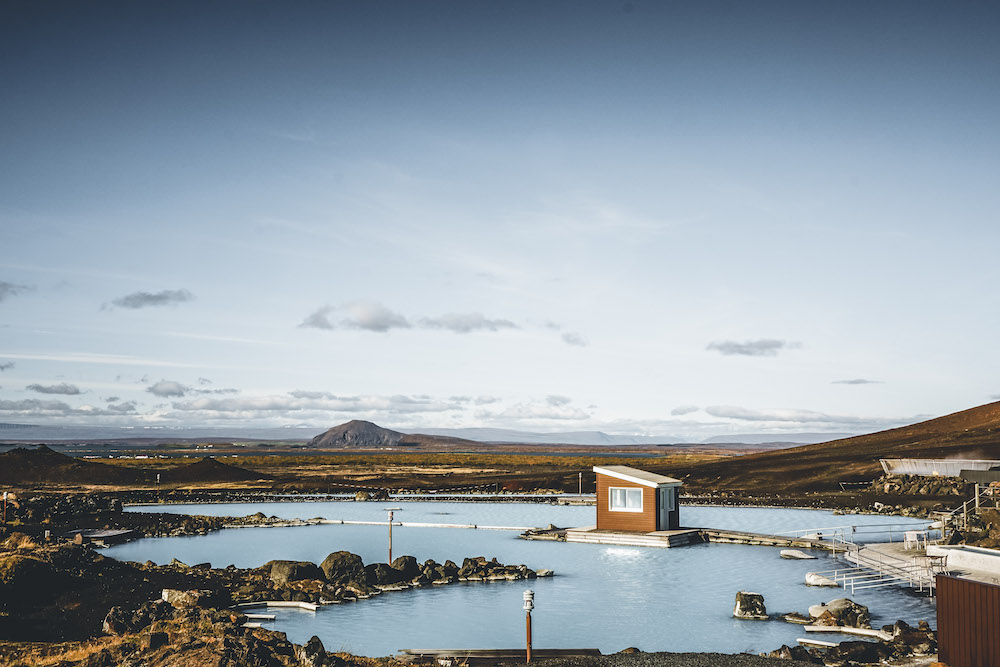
x: 659, y: 218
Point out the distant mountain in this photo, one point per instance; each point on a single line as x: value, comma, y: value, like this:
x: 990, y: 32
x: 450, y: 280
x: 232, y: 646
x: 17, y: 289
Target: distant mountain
x: 356, y: 433
x: 510, y: 436
x: 151, y: 434
x: 767, y: 438
x: 969, y: 434
x: 33, y: 465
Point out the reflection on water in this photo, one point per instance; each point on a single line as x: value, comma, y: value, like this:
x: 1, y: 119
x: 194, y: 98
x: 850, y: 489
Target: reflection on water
x: 607, y: 597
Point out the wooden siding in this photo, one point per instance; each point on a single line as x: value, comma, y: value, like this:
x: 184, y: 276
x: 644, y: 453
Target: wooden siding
x: 968, y: 622
x: 644, y: 521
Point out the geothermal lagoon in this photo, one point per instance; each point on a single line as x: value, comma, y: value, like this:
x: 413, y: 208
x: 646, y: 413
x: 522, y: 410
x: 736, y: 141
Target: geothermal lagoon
x: 605, y: 597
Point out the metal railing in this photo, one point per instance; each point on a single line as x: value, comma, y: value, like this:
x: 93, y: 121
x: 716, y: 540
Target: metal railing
x: 974, y: 504
x: 851, y: 534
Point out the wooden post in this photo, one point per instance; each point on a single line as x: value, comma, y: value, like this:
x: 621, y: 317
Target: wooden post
x: 529, y: 604
x: 529, y: 637
x: 977, y: 496
x: 390, y: 537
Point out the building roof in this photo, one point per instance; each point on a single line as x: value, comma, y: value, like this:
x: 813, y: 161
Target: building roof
x: 637, y: 476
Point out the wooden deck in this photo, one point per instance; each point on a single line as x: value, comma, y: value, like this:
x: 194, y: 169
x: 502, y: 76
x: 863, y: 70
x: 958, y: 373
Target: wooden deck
x: 461, y: 656
x: 673, y: 538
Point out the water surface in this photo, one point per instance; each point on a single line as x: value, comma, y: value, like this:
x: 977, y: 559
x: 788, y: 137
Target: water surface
x: 605, y: 597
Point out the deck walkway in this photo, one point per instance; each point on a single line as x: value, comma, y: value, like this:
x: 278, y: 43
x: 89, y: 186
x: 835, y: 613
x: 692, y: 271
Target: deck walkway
x: 463, y: 656
x: 675, y: 538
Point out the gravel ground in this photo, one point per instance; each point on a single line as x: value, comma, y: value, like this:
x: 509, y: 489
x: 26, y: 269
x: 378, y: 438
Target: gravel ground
x: 672, y: 660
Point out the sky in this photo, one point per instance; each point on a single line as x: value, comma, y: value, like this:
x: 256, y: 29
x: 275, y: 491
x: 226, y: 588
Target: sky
x: 650, y: 218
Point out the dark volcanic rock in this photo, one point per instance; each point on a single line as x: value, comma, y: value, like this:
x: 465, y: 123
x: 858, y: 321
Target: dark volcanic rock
x: 383, y: 574
x: 313, y: 654
x: 750, y: 605
x: 357, y: 433
x: 342, y: 567
x: 407, y: 566
x: 284, y: 571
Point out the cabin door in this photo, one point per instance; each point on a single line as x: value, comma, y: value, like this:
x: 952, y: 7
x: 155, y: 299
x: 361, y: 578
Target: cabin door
x: 662, y: 509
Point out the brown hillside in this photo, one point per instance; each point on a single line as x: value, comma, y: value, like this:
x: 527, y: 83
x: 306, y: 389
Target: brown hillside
x: 211, y: 470
x: 970, y: 434
x: 43, y: 465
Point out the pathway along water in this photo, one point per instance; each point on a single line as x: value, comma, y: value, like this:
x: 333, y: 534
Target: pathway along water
x: 602, y: 596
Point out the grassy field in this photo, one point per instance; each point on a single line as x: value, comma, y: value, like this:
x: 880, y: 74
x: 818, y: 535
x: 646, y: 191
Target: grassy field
x: 424, y: 470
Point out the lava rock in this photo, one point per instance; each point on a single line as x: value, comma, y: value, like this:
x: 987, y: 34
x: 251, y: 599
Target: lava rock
x: 841, y: 611
x: 343, y: 566
x: 750, y: 605
x: 285, y: 571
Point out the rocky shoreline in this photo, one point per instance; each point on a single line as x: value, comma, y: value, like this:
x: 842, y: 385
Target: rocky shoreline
x: 201, y: 596
x: 56, y: 592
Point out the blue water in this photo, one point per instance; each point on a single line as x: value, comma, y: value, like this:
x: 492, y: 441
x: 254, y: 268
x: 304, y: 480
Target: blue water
x: 603, y: 597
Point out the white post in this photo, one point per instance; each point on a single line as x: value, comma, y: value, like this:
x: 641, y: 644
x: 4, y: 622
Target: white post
x: 977, y: 496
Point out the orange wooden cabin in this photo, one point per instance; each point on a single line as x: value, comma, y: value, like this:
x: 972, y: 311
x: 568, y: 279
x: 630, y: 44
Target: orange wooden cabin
x: 635, y: 500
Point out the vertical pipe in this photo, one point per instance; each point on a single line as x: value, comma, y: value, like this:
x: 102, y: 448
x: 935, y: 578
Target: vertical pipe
x: 581, y: 483
x: 528, y: 621
x: 977, y: 496
x: 390, y: 538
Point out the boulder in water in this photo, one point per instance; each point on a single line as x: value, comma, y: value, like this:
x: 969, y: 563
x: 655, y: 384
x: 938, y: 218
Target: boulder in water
x: 841, y: 611
x: 750, y: 605
x: 814, y: 579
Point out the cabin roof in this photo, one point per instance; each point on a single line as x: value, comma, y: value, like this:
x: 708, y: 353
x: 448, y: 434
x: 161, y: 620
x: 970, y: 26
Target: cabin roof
x: 637, y: 476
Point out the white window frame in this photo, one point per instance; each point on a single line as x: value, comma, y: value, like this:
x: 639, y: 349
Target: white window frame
x: 626, y: 489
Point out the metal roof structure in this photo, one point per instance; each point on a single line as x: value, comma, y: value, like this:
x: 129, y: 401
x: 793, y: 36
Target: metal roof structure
x: 637, y: 476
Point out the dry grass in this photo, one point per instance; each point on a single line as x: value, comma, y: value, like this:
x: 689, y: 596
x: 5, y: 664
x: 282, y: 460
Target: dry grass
x: 43, y: 654
x: 17, y: 541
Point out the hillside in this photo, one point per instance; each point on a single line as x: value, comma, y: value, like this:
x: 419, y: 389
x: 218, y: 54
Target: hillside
x: 969, y: 434
x: 211, y: 470
x: 358, y: 434
x: 42, y: 465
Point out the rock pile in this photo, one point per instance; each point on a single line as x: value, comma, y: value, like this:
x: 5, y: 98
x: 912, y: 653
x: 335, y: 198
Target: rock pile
x: 921, y: 485
x: 158, y: 633
x: 843, y: 612
x: 906, y: 642
x: 343, y: 577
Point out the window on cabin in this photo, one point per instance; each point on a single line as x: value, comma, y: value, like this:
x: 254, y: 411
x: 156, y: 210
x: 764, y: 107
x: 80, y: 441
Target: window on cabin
x: 625, y: 500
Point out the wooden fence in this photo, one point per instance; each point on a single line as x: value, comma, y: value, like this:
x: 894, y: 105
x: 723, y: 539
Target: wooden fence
x: 968, y: 622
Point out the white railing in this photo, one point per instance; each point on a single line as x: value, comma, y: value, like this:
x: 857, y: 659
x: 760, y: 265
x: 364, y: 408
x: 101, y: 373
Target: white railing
x: 851, y: 534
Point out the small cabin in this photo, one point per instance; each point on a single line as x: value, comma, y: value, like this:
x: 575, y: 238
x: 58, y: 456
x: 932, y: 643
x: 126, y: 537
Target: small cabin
x: 635, y: 500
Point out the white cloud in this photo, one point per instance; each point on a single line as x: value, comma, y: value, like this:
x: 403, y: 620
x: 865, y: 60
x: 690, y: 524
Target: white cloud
x: 684, y: 410
x: 803, y: 417
x: 63, y: 388
x: 763, y: 347
x: 466, y: 323
x: 168, y: 389
x: 8, y: 290
x: 34, y: 408
x: 137, y: 300
x: 857, y: 381
x: 571, y: 338
x: 365, y: 315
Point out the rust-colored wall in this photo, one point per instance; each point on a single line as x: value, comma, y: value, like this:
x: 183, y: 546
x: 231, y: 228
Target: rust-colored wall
x: 968, y: 622
x: 644, y: 521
